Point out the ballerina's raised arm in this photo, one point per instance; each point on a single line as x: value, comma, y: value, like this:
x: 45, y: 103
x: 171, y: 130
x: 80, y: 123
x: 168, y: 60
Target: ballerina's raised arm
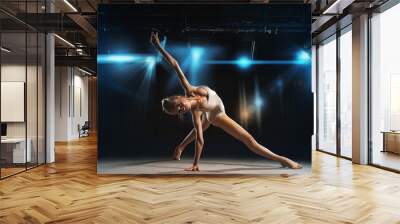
x: 187, y: 87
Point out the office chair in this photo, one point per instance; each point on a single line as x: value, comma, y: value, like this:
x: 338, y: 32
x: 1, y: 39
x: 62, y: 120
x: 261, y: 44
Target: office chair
x: 84, y: 130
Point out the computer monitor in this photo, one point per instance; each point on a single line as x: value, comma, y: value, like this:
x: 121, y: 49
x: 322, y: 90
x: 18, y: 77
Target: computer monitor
x: 3, y: 129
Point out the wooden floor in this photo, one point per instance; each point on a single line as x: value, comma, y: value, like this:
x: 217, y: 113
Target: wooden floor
x: 70, y: 191
x: 5, y: 172
x: 387, y: 159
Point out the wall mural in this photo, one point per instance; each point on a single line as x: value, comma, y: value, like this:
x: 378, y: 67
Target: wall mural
x: 215, y: 89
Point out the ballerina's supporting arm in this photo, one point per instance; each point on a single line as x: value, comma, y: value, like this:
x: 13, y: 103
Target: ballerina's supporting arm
x: 172, y: 61
x: 196, y: 116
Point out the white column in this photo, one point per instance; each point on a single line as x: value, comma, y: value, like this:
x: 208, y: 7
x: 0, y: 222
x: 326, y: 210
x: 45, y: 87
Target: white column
x: 360, y: 90
x: 50, y: 92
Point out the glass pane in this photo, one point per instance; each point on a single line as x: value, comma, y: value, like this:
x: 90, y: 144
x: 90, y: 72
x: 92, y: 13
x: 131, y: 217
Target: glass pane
x: 23, y: 89
x: 31, y: 85
x: 32, y: 95
x: 327, y: 96
x: 346, y: 94
x: 13, y: 86
x: 386, y: 89
x: 314, y: 90
x: 41, y: 98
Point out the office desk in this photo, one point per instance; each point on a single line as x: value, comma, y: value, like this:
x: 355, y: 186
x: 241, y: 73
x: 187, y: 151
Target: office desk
x: 13, y: 150
x: 391, y: 141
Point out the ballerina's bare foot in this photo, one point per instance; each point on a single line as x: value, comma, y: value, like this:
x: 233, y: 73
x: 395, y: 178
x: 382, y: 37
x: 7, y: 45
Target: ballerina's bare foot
x: 292, y: 164
x: 193, y: 168
x: 177, y: 153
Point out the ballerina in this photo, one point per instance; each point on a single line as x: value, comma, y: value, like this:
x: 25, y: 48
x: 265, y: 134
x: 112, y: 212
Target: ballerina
x: 207, y: 109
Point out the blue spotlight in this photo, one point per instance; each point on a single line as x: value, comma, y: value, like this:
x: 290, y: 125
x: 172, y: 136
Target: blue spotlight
x: 151, y: 61
x: 194, y: 63
x: 116, y: 58
x: 303, y: 57
x: 197, y: 53
x: 258, y: 102
x: 243, y: 62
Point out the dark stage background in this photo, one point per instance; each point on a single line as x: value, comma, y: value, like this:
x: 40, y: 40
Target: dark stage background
x: 256, y: 57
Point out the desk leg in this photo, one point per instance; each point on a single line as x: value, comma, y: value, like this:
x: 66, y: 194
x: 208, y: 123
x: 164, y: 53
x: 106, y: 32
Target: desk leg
x: 384, y: 142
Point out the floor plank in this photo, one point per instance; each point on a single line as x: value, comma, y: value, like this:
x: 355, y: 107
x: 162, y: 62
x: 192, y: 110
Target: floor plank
x: 70, y: 191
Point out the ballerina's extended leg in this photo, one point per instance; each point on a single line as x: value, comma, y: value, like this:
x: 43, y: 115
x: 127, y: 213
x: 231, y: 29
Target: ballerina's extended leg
x: 231, y: 127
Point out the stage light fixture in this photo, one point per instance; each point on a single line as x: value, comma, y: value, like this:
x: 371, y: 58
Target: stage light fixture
x: 197, y: 53
x: 116, y: 58
x: 303, y: 57
x: 243, y: 62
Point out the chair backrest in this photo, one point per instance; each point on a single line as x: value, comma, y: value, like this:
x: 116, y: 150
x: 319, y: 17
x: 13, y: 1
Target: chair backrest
x: 86, y: 125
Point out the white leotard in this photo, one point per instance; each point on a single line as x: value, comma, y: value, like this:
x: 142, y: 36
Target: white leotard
x: 214, y: 104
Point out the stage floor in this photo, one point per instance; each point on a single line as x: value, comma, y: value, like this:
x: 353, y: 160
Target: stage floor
x: 207, y: 166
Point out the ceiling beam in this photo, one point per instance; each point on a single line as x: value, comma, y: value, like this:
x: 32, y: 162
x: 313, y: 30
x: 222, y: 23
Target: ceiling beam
x: 79, y: 20
x: 86, y: 27
x: 81, y: 61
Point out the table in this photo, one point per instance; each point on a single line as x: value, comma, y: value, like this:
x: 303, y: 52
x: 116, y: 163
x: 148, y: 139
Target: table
x: 13, y: 150
x: 391, y: 141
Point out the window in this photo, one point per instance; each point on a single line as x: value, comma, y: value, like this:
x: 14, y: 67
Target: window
x: 327, y: 96
x: 385, y: 88
x: 22, y: 79
x: 346, y: 93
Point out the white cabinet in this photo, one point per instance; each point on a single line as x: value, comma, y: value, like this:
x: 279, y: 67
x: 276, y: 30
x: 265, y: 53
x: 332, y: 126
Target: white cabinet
x: 17, y: 146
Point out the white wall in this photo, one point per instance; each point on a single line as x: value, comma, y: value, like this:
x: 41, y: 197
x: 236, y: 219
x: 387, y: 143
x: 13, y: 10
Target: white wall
x: 80, y: 103
x: 33, y: 127
x: 61, y: 103
x: 16, y: 72
x: 71, y: 93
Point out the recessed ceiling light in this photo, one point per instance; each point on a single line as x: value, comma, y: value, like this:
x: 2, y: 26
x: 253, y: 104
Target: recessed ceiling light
x: 337, y: 7
x: 84, y: 71
x: 5, y: 50
x: 70, y: 5
x: 64, y: 40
